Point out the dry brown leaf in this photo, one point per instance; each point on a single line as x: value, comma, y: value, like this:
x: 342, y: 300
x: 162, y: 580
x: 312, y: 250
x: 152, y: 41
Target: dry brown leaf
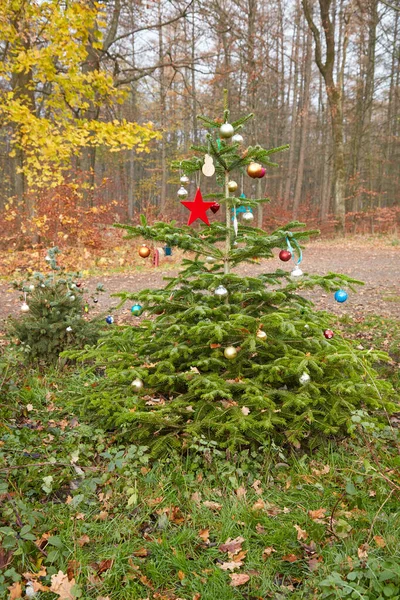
x: 15, y: 590
x: 259, y: 505
x: 241, y: 492
x: 104, y: 565
x: 204, y: 534
x: 290, y: 558
x: 181, y: 575
x: 103, y: 598
x: 260, y: 528
x: 68, y: 500
x: 72, y: 568
x: 196, y: 596
x: 232, y: 547
x: 102, y: 516
x: 154, y: 501
x: 142, y: 552
x: 230, y: 566
x: 212, y: 505
x: 379, y: 541
x: 256, y: 487
x: 313, y: 564
x: 62, y: 586
x: 267, y: 552
x: 325, y: 469
x: 238, y: 579
x: 85, y: 539
x: 196, y: 498
x: 5, y: 558
x: 317, y: 515
x: 272, y: 509
x: 362, y: 551
x: 301, y: 533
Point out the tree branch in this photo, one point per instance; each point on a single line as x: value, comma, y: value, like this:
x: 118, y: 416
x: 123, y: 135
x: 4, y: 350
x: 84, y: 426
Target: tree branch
x: 316, y: 35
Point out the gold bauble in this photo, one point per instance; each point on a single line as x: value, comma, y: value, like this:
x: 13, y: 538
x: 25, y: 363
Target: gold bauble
x: 261, y: 334
x: 230, y: 352
x: 144, y: 251
x: 232, y: 186
x: 254, y: 170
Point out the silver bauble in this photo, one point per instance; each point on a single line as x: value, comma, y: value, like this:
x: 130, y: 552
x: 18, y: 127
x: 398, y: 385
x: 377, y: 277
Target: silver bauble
x: 210, y: 260
x: 184, y: 179
x: 31, y: 287
x: 247, y: 216
x: 226, y: 131
x: 24, y: 307
x: 230, y: 352
x: 297, y: 272
x: 305, y: 378
x: 221, y: 291
x: 68, y: 329
x: 182, y: 193
x: 47, y: 258
x: 72, y: 298
x: 237, y: 138
x: 137, y: 384
x: 232, y: 186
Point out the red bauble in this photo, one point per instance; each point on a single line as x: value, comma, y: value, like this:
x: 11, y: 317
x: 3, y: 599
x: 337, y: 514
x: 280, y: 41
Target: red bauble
x: 285, y: 255
x: 328, y: 333
x: 78, y: 284
x: 215, y: 207
x: 262, y: 173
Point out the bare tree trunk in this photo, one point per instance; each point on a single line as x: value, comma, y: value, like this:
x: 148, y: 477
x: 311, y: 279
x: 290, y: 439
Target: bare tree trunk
x: 163, y: 113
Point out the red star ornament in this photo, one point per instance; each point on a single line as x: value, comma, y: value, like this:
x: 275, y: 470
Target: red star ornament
x: 198, y: 208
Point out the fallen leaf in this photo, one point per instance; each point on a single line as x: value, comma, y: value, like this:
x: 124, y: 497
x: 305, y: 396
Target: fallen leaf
x: 85, y: 539
x: 256, y: 487
x: 196, y: 498
x: 362, y: 551
x: 62, y: 586
x: 196, y: 596
x: 238, y: 579
x: 181, y: 575
x: 29, y: 407
x: 232, y: 547
x: 102, y: 516
x: 72, y: 568
x: 241, y: 492
x: 15, y: 590
x: 104, y: 565
x: 301, y: 533
x: 313, y: 564
x: 267, y: 552
x: 155, y: 501
x: 142, y: 552
x: 260, y: 528
x: 290, y: 558
x: 212, y: 505
x: 231, y: 566
x: 5, y: 558
x: 259, y: 505
x: 204, y: 534
x: 317, y: 515
x: 379, y: 541
x: 68, y: 500
x: 325, y: 469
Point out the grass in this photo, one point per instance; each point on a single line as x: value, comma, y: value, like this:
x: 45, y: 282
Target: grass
x: 319, y: 525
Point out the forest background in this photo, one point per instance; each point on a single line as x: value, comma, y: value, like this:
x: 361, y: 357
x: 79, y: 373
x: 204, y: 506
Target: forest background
x: 77, y: 77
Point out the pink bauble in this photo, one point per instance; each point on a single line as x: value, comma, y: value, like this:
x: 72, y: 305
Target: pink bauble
x: 262, y: 173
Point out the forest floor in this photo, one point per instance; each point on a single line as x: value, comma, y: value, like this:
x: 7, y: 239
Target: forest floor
x: 375, y: 261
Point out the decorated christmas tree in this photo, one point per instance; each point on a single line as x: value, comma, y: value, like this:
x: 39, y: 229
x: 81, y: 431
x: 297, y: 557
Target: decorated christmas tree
x: 237, y: 359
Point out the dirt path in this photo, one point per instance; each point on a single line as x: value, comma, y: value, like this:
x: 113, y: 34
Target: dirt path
x: 377, y: 265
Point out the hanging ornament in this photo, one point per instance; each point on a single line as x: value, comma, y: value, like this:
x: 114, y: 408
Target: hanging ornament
x: 235, y: 223
x: 182, y: 193
x: 254, y: 170
x: 25, y: 307
x: 72, y: 298
x: 137, y: 384
x: 144, y: 251
x: 69, y: 329
x: 305, y: 378
x: 47, y: 258
x: 31, y: 287
x: 210, y: 260
x: 208, y: 168
x: 261, y: 334
x: 297, y: 272
x: 95, y: 300
x: 78, y: 284
x: 341, y: 296
x: 110, y: 320
x: 328, y: 333
x: 262, y: 173
x: 230, y: 352
x: 285, y: 255
x: 247, y: 216
x: 184, y: 180
x: 198, y: 208
x: 232, y: 186
x: 226, y: 131
x: 237, y: 138
x: 215, y: 207
x: 136, y: 309
x: 221, y: 291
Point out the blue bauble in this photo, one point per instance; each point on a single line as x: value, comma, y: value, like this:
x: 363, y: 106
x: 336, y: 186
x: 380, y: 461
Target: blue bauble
x: 136, y: 310
x: 341, y: 296
x: 110, y: 320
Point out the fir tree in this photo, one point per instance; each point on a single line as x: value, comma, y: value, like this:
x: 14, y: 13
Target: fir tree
x: 238, y: 369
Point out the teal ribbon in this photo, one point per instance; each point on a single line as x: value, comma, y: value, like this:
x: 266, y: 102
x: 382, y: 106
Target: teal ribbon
x: 296, y: 249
